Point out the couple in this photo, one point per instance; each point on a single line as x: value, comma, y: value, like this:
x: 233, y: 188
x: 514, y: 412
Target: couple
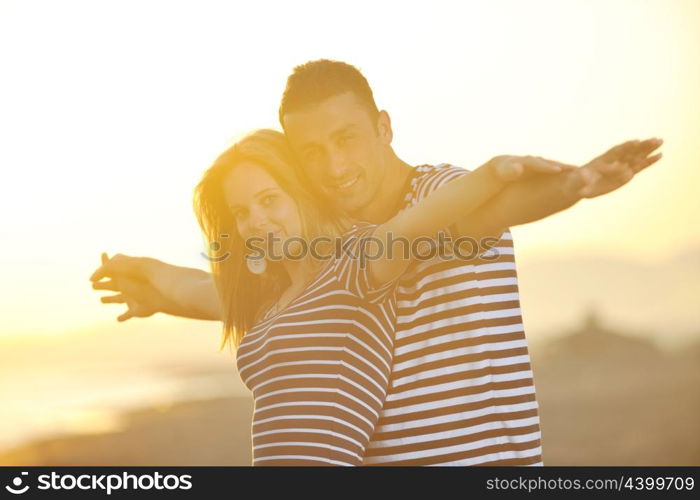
x: 367, y: 358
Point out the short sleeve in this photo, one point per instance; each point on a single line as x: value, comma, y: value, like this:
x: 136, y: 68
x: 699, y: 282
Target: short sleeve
x: 351, y: 266
x: 430, y: 178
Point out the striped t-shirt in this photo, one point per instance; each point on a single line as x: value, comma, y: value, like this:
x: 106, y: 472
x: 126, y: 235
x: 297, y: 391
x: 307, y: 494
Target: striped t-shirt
x: 319, y: 369
x: 461, y: 389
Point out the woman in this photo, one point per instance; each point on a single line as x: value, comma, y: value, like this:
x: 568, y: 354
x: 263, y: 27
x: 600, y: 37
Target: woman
x: 313, y: 335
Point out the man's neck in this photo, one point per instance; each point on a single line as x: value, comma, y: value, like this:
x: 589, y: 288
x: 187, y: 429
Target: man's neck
x: 386, y: 203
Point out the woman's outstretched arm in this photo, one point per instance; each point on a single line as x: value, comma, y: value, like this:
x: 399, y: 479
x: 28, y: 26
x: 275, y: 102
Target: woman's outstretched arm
x: 149, y: 286
x: 446, y: 206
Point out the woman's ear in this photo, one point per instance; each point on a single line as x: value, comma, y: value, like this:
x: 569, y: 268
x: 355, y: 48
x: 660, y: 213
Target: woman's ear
x: 384, y: 127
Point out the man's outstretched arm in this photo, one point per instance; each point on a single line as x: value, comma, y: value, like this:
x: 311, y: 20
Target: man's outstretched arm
x: 149, y: 286
x: 535, y: 198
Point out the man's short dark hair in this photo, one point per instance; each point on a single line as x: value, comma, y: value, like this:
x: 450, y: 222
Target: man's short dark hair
x: 315, y: 81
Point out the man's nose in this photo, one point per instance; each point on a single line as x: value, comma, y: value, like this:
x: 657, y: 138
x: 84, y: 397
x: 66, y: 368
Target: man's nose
x: 337, y: 166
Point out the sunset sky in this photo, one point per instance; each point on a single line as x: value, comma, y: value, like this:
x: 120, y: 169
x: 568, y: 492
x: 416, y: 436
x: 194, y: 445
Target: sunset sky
x: 111, y: 111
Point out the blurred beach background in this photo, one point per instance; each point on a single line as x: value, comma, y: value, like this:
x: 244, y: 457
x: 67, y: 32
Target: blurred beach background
x: 111, y: 112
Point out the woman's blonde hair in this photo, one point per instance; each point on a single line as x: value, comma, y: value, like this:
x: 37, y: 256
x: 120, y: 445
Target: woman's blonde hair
x: 242, y: 293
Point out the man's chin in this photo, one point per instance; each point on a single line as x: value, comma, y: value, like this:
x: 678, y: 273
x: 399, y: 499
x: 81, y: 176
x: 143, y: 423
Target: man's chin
x: 349, y: 205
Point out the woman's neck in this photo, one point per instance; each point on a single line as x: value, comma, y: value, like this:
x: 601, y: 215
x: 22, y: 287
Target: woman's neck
x: 299, y: 271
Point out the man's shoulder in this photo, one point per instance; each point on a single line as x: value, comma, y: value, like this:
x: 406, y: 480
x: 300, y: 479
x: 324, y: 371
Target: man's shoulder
x: 428, y: 178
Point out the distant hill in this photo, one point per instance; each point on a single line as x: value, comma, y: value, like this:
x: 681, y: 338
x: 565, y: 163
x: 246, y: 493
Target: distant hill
x: 610, y: 398
x: 660, y: 300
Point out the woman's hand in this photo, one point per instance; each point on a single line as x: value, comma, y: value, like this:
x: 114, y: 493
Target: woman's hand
x: 129, y: 277
x: 148, y: 286
x: 510, y: 168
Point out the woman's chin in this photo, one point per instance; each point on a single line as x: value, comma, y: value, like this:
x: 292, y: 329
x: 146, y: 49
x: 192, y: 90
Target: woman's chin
x: 291, y: 248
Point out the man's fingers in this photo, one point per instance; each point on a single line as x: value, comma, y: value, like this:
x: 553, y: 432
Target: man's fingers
x: 617, y: 153
x: 643, y: 160
x: 586, y: 179
x: 655, y: 142
x: 106, y: 285
x: 625, y: 175
x: 641, y: 165
x: 575, y: 181
x: 113, y: 299
x: 606, y: 167
x: 649, y: 145
x: 642, y: 149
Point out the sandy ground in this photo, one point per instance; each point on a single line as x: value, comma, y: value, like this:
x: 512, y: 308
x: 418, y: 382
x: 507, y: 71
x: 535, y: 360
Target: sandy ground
x: 212, y: 432
x: 604, y: 399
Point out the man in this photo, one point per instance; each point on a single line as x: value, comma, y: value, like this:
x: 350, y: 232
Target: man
x: 461, y: 391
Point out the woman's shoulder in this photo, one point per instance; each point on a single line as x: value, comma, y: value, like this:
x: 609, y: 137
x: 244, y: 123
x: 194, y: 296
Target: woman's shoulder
x: 359, y: 227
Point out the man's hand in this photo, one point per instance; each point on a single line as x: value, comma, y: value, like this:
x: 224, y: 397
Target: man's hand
x: 535, y: 197
x: 617, y: 166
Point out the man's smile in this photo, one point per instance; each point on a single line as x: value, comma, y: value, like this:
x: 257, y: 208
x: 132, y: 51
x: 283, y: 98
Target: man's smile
x: 341, y: 187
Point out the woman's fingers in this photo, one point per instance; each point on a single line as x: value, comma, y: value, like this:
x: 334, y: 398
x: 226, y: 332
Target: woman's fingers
x: 538, y: 164
x: 123, y: 317
x: 119, y: 265
x: 100, y: 272
x: 113, y: 299
x: 106, y: 285
x: 510, y: 168
x: 565, y: 166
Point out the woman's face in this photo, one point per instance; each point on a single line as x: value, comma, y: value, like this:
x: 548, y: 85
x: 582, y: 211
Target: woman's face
x: 261, y: 207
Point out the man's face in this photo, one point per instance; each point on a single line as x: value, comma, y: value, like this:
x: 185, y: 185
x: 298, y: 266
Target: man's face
x: 341, y: 148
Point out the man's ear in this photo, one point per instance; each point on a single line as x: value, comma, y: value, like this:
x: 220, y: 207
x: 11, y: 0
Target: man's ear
x: 384, y: 127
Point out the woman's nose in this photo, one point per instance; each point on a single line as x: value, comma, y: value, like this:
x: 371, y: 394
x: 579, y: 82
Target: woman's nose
x: 258, y: 219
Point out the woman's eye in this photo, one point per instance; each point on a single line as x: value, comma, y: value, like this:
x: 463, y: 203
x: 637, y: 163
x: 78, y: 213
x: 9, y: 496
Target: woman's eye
x: 345, y: 139
x: 312, y: 155
x: 267, y: 200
